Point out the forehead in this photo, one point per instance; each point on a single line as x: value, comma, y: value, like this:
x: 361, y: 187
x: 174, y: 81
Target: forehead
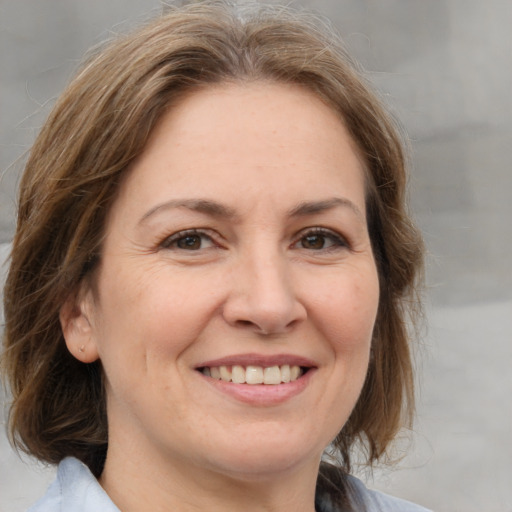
x: 223, y: 111
x: 237, y: 137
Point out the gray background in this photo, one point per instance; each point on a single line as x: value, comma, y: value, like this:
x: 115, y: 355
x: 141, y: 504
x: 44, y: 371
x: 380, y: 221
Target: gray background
x: 445, y: 68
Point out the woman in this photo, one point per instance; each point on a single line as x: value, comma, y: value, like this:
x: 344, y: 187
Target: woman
x: 211, y: 273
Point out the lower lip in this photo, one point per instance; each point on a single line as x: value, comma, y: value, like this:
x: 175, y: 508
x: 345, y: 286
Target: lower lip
x: 261, y: 394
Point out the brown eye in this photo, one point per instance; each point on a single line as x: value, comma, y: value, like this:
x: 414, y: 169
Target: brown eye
x: 315, y: 241
x: 321, y: 239
x: 189, y: 242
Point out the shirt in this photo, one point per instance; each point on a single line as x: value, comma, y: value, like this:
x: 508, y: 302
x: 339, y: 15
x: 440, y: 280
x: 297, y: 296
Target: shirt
x: 75, y: 489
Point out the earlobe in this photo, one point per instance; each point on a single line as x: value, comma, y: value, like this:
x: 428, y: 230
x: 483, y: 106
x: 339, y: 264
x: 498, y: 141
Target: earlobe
x: 77, y: 329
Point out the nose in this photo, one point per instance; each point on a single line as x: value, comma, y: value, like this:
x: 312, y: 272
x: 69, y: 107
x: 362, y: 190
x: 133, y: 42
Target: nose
x: 263, y: 297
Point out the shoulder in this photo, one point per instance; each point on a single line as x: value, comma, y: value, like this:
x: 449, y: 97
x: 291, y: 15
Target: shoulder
x: 375, y: 501
x: 74, y: 490
x: 337, y: 491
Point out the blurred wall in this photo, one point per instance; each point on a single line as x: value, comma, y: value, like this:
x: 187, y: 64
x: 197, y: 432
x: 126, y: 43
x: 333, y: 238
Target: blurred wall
x: 445, y: 68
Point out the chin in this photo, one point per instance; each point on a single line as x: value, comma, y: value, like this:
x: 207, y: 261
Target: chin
x: 261, y: 458
x: 250, y: 468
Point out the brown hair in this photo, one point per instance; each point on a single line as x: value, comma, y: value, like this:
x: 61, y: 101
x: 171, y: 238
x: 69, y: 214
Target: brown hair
x: 100, y: 125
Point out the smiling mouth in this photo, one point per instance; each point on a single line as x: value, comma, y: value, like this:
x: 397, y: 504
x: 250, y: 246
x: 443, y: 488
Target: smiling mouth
x: 270, y: 375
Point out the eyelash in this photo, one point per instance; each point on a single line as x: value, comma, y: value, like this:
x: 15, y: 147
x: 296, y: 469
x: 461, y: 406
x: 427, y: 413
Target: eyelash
x: 175, y: 238
x: 337, y: 241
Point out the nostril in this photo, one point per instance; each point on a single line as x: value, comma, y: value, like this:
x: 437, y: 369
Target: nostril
x: 260, y: 314
x: 254, y: 327
x: 245, y: 323
x: 265, y: 328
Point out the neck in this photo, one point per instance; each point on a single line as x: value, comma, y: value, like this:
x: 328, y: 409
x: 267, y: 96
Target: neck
x: 163, y: 486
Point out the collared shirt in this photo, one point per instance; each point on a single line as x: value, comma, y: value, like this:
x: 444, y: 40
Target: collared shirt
x: 76, y: 490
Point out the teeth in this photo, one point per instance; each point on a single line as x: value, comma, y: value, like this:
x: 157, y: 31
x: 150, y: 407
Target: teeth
x: 254, y: 375
x: 272, y: 375
x: 285, y: 373
x: 225, y: 373
x: 295, y: 372
x: 237, y: 374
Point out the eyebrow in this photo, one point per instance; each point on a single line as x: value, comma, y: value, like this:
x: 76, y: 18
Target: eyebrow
x: 314, y: 207
x: 215, y: 209
x: 205, y: 206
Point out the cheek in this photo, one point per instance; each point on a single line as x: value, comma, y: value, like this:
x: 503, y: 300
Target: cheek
x: 148, y: 313
x: 346, y: 318
x: 347, y: 310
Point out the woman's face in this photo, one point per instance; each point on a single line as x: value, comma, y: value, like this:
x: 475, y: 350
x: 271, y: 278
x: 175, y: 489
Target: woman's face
x: 237, y: 246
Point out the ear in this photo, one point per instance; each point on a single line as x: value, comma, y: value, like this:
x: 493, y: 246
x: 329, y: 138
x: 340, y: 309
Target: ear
x: 77, y: 326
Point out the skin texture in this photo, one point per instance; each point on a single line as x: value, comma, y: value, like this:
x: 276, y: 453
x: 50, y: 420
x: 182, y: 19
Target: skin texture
x: 237, y: 163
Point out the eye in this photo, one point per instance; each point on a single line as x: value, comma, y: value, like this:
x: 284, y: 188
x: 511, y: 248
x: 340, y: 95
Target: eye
x: 190, y: 240
x: 321, y: 239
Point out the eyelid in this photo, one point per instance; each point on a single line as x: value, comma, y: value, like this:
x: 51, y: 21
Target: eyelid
x: 167, y: 242
x: 341, y: 240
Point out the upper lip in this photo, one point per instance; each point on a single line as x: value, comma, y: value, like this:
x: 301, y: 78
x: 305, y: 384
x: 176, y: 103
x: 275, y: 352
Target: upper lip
x: 258, y: 360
